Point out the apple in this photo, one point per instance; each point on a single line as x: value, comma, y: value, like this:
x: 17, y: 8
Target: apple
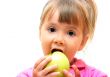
x: 61, y: 60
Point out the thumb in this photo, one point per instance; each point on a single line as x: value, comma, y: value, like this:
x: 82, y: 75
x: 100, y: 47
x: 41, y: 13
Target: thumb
x: 76, y: 71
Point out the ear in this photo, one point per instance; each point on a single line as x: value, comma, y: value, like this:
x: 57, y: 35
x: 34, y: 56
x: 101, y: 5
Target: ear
x: 84, y: 41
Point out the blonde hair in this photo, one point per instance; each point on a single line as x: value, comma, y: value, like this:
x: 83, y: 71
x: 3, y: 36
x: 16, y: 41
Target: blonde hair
x: 73, y: 12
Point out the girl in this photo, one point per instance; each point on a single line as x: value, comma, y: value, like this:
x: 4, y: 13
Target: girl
x: 66, y: 26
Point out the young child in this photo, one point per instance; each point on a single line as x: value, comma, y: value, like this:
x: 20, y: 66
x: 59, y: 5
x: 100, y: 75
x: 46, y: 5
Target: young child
x: 66, y: 25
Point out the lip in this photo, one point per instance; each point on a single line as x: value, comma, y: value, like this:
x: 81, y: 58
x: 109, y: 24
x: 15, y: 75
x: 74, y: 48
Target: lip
x: 56, y: 49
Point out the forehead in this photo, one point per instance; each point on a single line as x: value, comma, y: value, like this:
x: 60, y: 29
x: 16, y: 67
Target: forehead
x: 70, y: 13
x: 56, y: 18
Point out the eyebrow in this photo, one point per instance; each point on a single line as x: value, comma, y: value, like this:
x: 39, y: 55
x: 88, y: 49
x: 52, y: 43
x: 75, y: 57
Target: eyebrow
x: 73, y: 27
x: 69, y: 26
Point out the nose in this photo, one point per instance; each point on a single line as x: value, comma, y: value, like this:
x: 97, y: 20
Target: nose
x: 59, y: 40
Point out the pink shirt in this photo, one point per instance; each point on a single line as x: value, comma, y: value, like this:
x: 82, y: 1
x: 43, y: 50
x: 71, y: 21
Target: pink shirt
x: 85, y: 70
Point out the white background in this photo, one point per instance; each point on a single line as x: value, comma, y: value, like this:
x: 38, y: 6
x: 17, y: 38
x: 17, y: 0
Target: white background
x: 19, y: 39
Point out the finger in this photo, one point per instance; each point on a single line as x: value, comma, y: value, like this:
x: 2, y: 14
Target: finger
x: 53, y: 74
x: 67, y: 73
x: 35, y: 71
x: 49, y: 69
x: 38, y: 74
x: 43, y: 63
x: 76, y: 71
x: 39, y: 61
x: 47, y: 72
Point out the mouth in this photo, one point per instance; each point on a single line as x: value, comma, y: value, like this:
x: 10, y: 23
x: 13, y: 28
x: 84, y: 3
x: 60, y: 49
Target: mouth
x: 54, y: 50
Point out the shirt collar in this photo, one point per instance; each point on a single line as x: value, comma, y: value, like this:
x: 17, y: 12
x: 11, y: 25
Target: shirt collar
x: 79, y: 63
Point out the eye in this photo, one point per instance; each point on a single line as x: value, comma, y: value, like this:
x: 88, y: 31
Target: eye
x: 51, y: 29
x: 71, y: 33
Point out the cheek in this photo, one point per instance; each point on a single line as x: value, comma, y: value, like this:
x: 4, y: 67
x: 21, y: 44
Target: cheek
x: 45, y: 42
x: 43, y: 36
x: 71, y: 56
x: 73, y: 47
x: 45, y: 45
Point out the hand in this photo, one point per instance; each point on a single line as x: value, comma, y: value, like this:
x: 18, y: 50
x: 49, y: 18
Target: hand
x: 40, y: 70
x: 68, y: 74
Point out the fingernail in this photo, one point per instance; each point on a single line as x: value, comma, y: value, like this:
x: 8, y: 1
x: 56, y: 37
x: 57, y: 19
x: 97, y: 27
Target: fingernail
x: 65, y: 71
x: 49, y: 57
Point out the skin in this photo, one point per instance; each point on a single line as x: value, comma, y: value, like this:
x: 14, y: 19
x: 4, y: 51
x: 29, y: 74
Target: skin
x: 56, y: 35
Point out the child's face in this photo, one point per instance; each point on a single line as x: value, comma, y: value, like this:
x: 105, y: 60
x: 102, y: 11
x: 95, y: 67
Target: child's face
x: 61, y: 36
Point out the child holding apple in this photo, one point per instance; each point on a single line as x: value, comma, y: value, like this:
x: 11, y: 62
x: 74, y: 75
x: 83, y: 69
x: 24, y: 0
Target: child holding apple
x: 66, y: 26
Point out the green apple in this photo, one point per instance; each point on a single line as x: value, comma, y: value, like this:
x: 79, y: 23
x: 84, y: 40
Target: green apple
x: 61, y: 60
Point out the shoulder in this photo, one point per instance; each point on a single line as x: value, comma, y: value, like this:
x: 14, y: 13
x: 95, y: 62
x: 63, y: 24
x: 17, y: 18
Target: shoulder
x: 26, y: 73
x: 88, y: 71
x: 94, y: 72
